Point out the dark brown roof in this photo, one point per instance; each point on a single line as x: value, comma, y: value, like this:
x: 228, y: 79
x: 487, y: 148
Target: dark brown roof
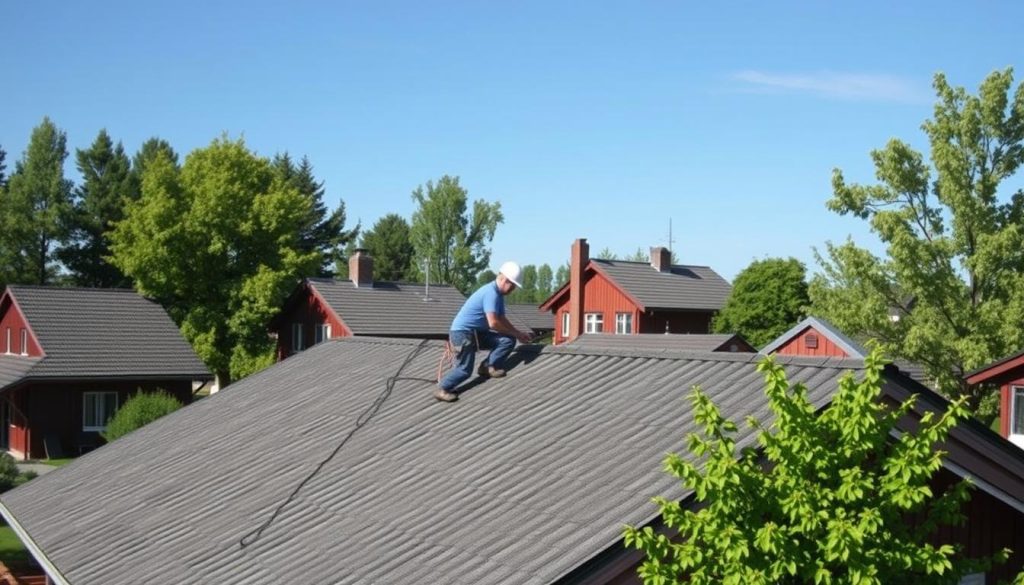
x: 530, y: 316
x: 103, y: 333
x: 391, y: 308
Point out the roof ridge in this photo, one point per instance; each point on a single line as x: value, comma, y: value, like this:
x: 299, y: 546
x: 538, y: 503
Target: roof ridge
x: 646, y: 263
x: 346, y: 281
x: 74, y: 288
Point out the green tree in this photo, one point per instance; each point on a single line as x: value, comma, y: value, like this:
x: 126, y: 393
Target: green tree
x: 217, y: 243
x: 824, y: 499
x: 453, y: 243
x: 35, y: 209
x: 528, y: 292
x: 138, y: 411
x: 107, y: 184
x: 3, y: 169
x: 149, y: 151
x: 561, y: 276
x: 768, y: 297
x: 953, y: 248
x: 390, y: 247
x: 545, y: 283
x: 320, y: 232
x: 485, y: 277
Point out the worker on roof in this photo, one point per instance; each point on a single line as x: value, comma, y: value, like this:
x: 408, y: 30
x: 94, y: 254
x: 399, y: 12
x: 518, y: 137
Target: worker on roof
x: 481, y: 324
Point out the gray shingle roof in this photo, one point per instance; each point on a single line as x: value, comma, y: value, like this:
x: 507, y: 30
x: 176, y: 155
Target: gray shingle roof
x: 530, y: 316
x: 659, y: 341
x: 391, y: 308
x: 851, y: 347
x: 520, y: 481
x: 683, y: 287
x: 14, y: 368
x: 99, y: 333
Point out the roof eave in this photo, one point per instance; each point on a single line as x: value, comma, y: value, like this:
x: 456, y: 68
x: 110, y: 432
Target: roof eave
x: 34, y: 549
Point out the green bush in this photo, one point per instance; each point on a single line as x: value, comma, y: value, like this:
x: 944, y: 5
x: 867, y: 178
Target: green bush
x: 8, y: 472
x: 138, y: 411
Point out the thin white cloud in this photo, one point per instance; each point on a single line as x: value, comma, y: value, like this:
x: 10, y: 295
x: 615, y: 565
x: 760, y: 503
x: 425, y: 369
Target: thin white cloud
x: 846, y: 86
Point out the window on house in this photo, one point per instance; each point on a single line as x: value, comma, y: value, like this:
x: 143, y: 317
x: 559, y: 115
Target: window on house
x: 1017, y: 411
x: 323, y: 332
x: 24, y: 341
x: 297, y: 341
x: 623, y: 323
x: 97, y: 408
x: 811, y: 341
x: 7, y: 348
x: 594, y: 323
x: 565, y: 324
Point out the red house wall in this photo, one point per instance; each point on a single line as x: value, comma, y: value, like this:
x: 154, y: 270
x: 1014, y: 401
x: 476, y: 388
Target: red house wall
x: 55, y: 409
x: 798, y: 346
x: 308, y: 309
x: 13, y: 319
x: 1005, y: 402
x: 599, y: 296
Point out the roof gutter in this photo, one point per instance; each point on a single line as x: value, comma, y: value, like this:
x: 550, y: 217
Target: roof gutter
x: 51, y: 570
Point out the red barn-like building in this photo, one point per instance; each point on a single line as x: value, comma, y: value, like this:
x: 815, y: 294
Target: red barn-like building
x: 627, y: 298
x: 70, y: 357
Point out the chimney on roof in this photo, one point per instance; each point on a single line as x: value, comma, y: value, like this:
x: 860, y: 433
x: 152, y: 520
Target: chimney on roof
x: 360, y: 268
x: 661, y: 259
x: 577, y: 264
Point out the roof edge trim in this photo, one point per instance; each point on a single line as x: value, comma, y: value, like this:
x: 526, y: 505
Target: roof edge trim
x: 37, y: 553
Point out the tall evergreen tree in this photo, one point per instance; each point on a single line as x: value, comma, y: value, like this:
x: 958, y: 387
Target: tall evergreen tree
x: 148, y: 152
x: 107, y: 184
x: 321, y: 231
x: 35, y: 209
x: 3, y: 168
x: 390, y: 247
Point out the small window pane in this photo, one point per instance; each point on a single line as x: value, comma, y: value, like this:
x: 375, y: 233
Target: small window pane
x: 298, y: 343
x: 565, y: 324
x: 594, y: 323
x: 624, y: 323
x: 97, y: 410
x: 1017, y: 421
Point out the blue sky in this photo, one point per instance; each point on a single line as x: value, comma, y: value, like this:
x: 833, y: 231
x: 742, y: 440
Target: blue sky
x: 585, y: 119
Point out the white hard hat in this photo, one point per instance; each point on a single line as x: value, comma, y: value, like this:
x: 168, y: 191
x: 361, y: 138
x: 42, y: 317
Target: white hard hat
x: 511, y: 271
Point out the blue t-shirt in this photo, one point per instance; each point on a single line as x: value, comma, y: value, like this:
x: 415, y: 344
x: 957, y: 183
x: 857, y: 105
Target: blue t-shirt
x: 473, y: 314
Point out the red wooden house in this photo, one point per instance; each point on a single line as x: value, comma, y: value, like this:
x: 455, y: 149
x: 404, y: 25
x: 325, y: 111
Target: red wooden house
x: 627, y: 298
x: 325, y: 308
x: 1008, y: 374
x: 69, y: 357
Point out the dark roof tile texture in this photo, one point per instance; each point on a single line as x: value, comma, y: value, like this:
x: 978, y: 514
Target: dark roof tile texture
x: 658, y: 341
x: 104, y: 333
x: 530, y: 316
x: 683, y: 287
x: 521, y: 481
x: 391, y: 308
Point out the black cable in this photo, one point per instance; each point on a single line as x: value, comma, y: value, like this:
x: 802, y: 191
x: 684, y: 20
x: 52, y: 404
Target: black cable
x: 360, y: 422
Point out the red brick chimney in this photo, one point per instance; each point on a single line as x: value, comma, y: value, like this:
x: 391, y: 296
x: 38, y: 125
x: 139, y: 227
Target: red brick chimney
x: 360, y: 268
x: 661, y: 259
x: 577, y: 264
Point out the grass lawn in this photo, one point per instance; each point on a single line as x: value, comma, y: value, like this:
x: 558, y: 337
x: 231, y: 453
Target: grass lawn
x: 12, y: 552
x: 57, y: 462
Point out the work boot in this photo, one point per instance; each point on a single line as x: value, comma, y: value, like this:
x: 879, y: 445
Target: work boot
x: 487, y: 371
x: 444, y: 395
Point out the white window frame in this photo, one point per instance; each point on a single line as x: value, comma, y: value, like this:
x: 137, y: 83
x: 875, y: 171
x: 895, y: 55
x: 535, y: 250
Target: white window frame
x: 98, y: 410
x: 623, y: 323
x: 565, y: 324
x: 8, y: 348
x: 593, y: 323
x: 24, y: 341
x: 297, y: 338
x: 1016, y: 435
x: 323, y: 332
